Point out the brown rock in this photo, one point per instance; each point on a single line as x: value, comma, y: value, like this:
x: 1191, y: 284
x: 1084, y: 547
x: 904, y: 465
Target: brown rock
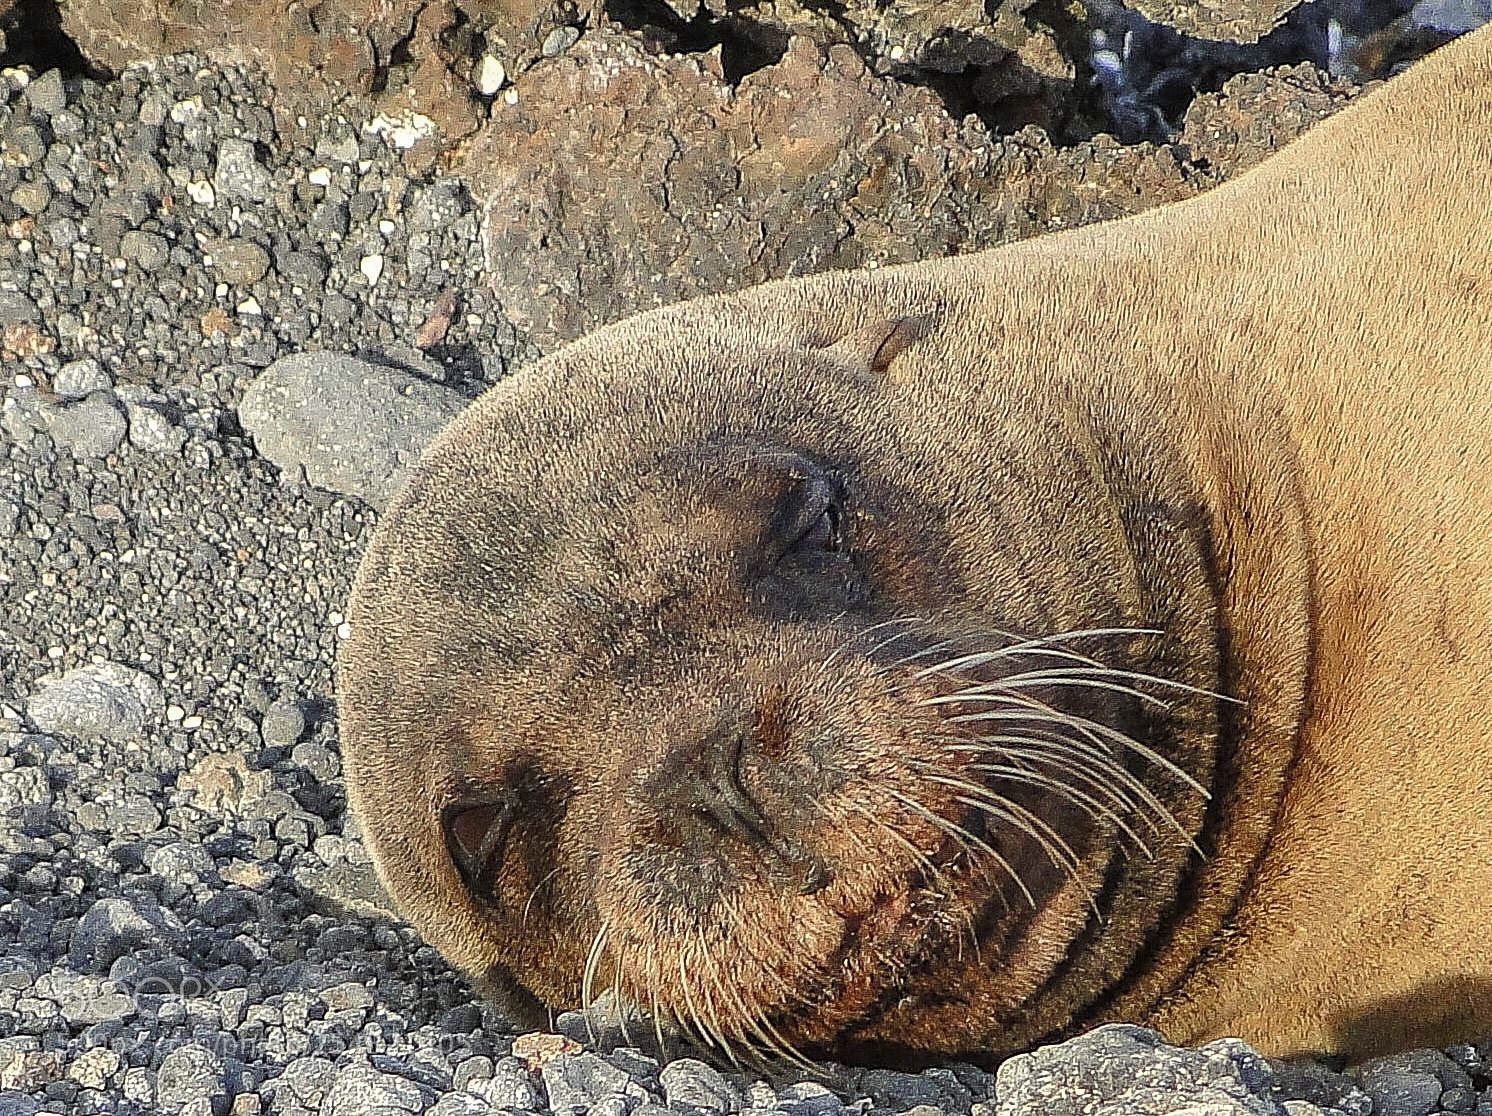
x: 315, y: 54
x: 1255, y: 115
x: 621, y: 181
x: 1239, y: 21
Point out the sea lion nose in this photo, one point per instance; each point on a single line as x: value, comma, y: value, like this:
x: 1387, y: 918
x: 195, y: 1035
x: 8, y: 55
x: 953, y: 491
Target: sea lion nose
x: 701, y: 781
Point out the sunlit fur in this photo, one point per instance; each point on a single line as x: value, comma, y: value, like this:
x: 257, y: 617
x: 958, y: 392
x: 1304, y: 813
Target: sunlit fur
x: 1166, y: 697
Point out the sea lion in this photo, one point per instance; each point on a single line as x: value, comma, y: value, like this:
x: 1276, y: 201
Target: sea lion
x: 934, y: 660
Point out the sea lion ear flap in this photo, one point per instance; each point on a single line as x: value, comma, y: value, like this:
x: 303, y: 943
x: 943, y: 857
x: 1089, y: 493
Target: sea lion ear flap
x: 880, y: 341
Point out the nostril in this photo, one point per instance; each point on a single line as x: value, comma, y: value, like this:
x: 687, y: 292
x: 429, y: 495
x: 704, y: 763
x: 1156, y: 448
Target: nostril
x: 705, y: 783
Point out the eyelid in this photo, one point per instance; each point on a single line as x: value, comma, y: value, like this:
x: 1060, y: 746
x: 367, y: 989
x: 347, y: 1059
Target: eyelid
x: 814, y: 497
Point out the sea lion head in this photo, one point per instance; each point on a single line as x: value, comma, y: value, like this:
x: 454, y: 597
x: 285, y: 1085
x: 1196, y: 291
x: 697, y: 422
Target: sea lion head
x: 803, y: 667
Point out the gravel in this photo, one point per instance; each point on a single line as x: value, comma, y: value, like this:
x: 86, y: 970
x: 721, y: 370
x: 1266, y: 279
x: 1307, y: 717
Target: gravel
x: 189, y: 467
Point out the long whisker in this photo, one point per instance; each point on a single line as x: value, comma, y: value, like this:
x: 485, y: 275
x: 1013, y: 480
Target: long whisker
x: 1087, y: 725
x: 1016, y: 773
x: 980, y: 658
x: 963, y: 836
x: 1085, y: 749
x: 587, y: 982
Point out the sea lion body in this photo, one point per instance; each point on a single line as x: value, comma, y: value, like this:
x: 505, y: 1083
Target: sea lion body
x: 734, y: 656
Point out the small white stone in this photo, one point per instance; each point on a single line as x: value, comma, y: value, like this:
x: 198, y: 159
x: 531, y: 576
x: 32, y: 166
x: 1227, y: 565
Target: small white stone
x: 174, y: 713
x: 898, y: 53
x: 320, y: 176
x: 184, y: 112
x: 55, y: 653
x: 18, y: 79
x: 386, y: 227
x: 344, y: 630
x: 192, y: 722
x: 511, y: 96
x: 403, y: 131
x: 24, y: 381
x: 10, y: 712
x: 492, y: 75
x: 202, y: 192
x: 372, y: 268
x: 250, y: 305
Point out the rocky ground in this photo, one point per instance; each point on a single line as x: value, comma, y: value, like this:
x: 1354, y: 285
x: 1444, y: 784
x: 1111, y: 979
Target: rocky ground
x: 187, y: 917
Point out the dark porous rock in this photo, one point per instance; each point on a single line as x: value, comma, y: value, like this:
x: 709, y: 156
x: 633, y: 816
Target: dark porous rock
x: 1232, y: 20
x: 1122, y: 1070
x: 356, y: 428
x: 693, y: 185
x: 16, y: 1103
x: 115, y: 928
x: 1410, y: 1084
x: 1312, y: 1083
x: 404, y: 51
x: 1256, y: 114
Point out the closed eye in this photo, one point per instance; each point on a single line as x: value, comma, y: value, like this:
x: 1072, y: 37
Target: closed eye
x: 811, y: 521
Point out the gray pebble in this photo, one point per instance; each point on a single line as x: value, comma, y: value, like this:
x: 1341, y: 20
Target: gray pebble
x: 181, y: 863
x: 63, y: 232
x: 111, y: 929
x: 476, y: 1068
x: 92, y: 427
x: 510, y: 1086
x: 1122, y: 1070
x: 15, y: 1103
x: 808, y: 1098
x: 85, y: 999
x: 578, y: 1082
x: 32, y: 197
x: 1459, y: 1099
x: 460, y: 1104
x: 79, y: 378
x: 147, y: 249
x: 240, y: 261
x: 360, y: 1089
x: 152, y: 431
x: 67, y: 124
x: 355, y: 427
x: 192, y: 1076
x: 107, y: 700
x: 239, y: 175
x: 1404, y: 1093
x: 307, y: 1079
x: 17, y: 307
x: 559, y: 40
x: 692, y: 1083
x: 153, y: 108
x: 282, y: 724
x: 46, y: 94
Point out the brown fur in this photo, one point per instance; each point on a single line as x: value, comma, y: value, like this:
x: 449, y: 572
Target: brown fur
x: 1256, y: 421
